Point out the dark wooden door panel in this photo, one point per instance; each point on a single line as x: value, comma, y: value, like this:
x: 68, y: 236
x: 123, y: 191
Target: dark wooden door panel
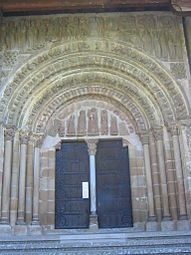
x: 72, y: 168
x: 113, y: 185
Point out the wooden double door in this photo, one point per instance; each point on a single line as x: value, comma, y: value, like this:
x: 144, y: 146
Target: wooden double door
x: 72, y: 209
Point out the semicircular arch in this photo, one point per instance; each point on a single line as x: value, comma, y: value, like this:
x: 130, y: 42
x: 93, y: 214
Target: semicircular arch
x: 123, y: 61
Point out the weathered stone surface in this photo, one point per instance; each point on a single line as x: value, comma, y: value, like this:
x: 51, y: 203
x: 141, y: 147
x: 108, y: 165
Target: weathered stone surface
x: 107, y: 75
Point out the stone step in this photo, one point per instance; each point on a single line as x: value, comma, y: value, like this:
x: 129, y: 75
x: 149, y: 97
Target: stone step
x: 98, y: 243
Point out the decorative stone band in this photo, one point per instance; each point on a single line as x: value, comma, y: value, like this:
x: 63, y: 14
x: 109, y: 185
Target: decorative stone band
x: 9, y: 133
x: 92, y: 146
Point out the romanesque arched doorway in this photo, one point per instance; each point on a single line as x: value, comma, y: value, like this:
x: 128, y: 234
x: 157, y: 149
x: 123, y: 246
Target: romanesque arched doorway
x: 128, y: 94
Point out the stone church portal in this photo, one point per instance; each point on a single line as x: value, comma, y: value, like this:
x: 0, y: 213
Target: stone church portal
x: 95, y: 125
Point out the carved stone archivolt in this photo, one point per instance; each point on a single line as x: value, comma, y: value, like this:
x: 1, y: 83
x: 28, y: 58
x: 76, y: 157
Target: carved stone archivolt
x: 119, y: 101
x: 34, y: 83
x: 80, y: 118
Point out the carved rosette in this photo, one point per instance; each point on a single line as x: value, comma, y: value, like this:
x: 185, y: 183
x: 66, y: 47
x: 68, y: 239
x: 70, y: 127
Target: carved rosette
x: 9, y: 133
x: 24, y: 137
x: 92, y: 146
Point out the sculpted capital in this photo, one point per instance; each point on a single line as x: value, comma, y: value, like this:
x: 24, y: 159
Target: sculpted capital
x: 9, y: 133
x: 38, y: 140
x: 158, y: 134
x: 144, y: 138
x: 92, y: 146
x: 24, y: 137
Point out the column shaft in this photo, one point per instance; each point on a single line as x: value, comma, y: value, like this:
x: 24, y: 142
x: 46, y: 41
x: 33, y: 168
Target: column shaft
x: 92, y: 147
x: 151, y: 211
x: 179, y: 177
x: 155, y: 177
x: 93, y: 184
x: 35, y: 218
x: 163, y: 180
x: 29, y: 182
x: 14, y: 181
x: 170, y: 171
x: 22, y: 177
x: 6, y: 182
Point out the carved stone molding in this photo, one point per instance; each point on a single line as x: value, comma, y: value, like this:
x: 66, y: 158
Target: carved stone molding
x: 160, y: 81
x: 9, y: 133
x: 92, y: 146
x: 121, y: 101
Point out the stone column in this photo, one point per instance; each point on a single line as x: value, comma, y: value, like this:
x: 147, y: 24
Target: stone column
x: 9, y: 134
x: 29, y: 180
x: 170, y: 172
x: 1, y: 161
x: 185, y: 150
x: 92, y: 147
x: 14, y: 180
x: 182, y: 223
x: 38, y: 143
x: 179, y: 174
x: 151, y: 211
x: 155, y: 176
x: 22, y: 178
x: 166, y: 223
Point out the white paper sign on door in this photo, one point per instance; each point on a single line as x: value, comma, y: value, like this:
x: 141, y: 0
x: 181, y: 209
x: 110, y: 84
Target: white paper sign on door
x: 85, y: 190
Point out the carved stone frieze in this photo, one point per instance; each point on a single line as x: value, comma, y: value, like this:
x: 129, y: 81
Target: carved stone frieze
x: 149, y: 32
